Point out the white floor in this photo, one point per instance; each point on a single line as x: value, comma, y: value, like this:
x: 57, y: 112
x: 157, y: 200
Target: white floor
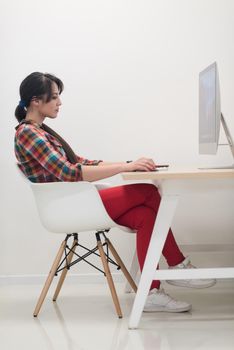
x: 84, y: 318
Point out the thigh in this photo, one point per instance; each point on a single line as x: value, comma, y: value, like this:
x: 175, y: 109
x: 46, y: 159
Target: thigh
x: 118, y: 200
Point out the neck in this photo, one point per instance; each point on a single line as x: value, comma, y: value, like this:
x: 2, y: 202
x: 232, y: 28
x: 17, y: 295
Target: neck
x: 35, y: 117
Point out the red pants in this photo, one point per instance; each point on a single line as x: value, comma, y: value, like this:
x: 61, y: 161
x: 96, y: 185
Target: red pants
x: 136, y: 207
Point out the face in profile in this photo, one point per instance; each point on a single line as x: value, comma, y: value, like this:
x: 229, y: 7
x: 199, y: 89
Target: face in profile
x: 50, y: 109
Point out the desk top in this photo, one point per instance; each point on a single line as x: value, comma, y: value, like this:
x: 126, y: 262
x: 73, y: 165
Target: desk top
x: 179, y: 173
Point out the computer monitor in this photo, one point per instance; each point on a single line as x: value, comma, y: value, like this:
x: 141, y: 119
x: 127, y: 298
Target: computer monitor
x: 209, y: 110
x: 210, y: 115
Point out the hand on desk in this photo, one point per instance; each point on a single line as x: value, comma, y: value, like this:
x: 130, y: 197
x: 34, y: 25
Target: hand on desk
x: 141, y: 164
x: 145, y: 164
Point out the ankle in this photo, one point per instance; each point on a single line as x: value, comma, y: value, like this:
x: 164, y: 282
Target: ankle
x: 155, y: 286
x: 184, y: 259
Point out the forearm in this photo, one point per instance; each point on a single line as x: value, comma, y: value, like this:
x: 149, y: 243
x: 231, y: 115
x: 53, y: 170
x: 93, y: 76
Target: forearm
x: 111, y: 163
x: 102, y: 171
x: 105, y: 169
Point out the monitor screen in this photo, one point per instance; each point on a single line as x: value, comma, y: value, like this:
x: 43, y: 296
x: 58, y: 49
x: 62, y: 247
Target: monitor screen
x: 209, y: 110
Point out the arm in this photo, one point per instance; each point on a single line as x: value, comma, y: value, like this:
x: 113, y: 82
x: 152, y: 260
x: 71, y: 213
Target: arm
x: 107, y: 169
x: 40, y: 149
x: 111, y: 163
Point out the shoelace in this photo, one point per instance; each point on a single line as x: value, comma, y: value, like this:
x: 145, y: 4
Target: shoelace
x: 189, y: 265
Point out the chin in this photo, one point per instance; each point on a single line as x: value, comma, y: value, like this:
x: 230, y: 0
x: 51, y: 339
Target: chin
x: 52, y: 116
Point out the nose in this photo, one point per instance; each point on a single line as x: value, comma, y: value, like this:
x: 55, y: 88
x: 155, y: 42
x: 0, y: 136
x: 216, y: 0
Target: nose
x: 59, y: 102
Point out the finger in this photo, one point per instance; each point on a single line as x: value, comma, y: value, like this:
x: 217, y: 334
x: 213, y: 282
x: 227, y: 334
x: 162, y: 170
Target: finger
x: 142, y: 167
x: 150, y: 165
x: 147, y: 167
x: 152, y: 162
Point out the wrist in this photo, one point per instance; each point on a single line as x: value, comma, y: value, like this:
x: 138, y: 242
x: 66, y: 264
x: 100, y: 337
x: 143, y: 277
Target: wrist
x: 128, y: 166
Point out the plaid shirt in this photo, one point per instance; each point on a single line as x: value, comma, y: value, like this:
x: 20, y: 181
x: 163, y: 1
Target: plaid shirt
x: 41, y: 156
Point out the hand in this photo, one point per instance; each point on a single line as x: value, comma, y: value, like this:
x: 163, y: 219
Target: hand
x: 142, y: 164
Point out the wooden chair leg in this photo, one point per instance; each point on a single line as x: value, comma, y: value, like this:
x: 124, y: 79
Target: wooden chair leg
x: 49, y: 278
x: 109, y: 279
x: 121, y: 264
x: 134, y: 269
x: 65, y: 270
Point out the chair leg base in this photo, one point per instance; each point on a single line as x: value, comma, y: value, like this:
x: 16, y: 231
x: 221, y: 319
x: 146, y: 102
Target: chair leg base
x: 65, y: 270
x: 109, y: 277
x: 58, y: 262
x: 122, y: 266
x: 49, y: 279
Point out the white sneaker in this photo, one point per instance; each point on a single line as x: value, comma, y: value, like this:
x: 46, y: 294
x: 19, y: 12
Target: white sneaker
x: 158, y: 300
x: 194, y: 283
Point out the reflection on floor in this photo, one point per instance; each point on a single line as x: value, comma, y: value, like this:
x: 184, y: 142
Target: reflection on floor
x: 84, y: 319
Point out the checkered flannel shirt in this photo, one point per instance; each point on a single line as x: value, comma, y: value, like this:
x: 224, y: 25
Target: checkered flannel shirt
x: 42, y: 158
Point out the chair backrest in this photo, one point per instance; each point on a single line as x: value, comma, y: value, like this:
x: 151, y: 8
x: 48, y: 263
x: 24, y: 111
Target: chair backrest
x: 67, y: 207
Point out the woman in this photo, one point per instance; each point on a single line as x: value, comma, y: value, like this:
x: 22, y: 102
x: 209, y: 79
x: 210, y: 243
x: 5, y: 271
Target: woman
x: 44, y: 156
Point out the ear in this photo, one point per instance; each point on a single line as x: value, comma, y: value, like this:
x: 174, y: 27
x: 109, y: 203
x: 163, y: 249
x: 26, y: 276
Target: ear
x: 35, y: 102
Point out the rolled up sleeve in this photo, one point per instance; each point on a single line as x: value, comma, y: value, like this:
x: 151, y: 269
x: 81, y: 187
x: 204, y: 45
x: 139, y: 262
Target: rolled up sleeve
x: 85, y: 161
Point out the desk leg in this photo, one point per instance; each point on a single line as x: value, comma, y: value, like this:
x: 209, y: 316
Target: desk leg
x: 161, y: 227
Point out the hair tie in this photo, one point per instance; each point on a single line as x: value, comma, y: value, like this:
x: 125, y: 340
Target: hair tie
x: 22, y: 103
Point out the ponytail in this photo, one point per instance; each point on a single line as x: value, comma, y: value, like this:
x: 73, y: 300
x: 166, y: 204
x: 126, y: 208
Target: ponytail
x: 20, y: 112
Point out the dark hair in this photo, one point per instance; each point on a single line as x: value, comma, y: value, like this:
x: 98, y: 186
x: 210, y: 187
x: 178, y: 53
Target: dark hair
x: 36, y: 85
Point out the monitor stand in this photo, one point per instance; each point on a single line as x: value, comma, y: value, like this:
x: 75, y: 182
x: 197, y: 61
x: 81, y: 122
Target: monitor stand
x: 230, y: 144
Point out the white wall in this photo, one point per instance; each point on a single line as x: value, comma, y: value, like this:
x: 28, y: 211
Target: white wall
x: 130, y: 70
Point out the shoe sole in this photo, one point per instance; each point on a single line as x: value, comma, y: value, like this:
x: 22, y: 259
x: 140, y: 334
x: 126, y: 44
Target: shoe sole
x: 163, y: 309
x: 211, y: 284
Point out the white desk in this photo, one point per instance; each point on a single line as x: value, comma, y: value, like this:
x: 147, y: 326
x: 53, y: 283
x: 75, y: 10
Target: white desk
x: 172, y: 184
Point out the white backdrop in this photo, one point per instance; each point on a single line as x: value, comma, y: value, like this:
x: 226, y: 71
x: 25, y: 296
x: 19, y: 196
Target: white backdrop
x: 130, y: 70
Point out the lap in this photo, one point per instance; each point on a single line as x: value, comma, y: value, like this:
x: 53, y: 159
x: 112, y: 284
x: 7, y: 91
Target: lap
x: 118, y: 200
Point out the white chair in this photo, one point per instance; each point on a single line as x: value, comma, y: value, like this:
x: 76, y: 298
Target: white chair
x: 72, y: 207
